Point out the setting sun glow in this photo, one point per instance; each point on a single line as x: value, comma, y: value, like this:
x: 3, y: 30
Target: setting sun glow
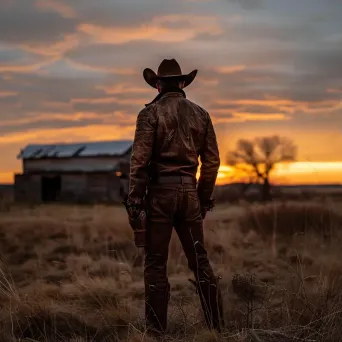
x: 292, y: 173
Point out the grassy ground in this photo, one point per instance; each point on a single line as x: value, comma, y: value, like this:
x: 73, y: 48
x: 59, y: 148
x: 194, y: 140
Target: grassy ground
x: 73, y: 274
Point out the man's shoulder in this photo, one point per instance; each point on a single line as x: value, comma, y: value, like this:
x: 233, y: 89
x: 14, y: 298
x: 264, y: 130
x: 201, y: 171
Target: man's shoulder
x: 148, y: 109
x: 154, y: 107
x: 147, y: 114
x: 197, y: 107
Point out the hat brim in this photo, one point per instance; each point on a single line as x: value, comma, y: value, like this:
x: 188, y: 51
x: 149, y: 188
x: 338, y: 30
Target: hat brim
x: 151, y: 77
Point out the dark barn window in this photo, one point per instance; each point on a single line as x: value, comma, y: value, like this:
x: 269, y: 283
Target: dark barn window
x: 51, y: 188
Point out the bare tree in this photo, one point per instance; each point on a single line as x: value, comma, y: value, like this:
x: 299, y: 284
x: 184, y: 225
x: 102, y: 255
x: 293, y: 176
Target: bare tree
x: 258, y: 157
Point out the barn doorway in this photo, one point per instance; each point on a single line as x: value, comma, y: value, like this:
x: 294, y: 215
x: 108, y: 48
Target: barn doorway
x: 51, y: 188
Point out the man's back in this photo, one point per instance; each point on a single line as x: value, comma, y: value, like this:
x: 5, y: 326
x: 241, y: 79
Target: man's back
x: 180, y: 136
x: 173, y: 133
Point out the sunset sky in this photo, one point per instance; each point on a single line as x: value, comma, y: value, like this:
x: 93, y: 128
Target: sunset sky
x: 71, y: 71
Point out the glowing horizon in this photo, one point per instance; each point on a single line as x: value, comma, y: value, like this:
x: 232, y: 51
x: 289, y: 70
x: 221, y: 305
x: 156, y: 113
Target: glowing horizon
x: 296, y: 173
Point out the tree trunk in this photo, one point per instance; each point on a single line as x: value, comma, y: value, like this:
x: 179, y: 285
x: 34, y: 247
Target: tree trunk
x: 266, y: 190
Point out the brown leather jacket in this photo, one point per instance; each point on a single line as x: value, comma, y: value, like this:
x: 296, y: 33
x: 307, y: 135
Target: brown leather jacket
x: 171, y: 134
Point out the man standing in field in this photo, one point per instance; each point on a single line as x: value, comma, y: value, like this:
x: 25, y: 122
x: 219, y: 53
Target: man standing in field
x: 171, y: 134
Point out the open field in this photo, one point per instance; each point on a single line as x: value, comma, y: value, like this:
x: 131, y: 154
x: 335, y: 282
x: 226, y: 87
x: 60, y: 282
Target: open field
x: 236, y: 192
x: 72, y: 273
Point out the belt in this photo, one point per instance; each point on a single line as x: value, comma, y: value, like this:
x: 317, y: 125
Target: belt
x: 175, y: 180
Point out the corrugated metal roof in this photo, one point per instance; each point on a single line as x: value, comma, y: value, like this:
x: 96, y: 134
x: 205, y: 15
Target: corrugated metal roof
x: 90, y: 149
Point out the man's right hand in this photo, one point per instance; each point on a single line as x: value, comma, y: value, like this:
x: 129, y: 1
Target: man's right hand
x: 205, y: 207
x: 138, y: 225
x: 137, y: 219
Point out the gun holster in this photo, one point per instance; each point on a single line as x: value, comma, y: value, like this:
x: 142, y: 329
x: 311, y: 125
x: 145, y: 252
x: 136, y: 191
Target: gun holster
x: 138, y: 225
x: 137, y: 219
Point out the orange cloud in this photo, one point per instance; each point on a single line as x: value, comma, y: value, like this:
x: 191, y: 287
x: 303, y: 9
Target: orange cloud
x: 230, y: 69
x: 261, y: 102
x: 106, y: 100
x: 260, y: 117
x: 70, y: 134
x: 156, y: 30
x: 118, y: 71
x: 121, y: 117
x: 242, y: 117
x: 62, y: 106
x: 53, y: 5
x: 26, y: 68
x: 56, y: 49
x: 4, y: 94
x: 286, y: 105
x: 334, y: 91
x: 95, y: 101
x: 37, y: 117
x: 106, y: 118
x: 123, y: 88
x: 257, y: 117
x: 208, y: 81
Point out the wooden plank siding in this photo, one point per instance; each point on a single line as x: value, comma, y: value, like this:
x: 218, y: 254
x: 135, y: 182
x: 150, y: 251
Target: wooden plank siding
x: 76, y: 188
x: 86, y: 164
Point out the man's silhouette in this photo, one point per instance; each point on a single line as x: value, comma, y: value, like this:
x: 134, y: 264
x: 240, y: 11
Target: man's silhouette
x: 171, y: 134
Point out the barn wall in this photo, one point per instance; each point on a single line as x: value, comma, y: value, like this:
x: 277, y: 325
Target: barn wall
x: 74, y: 187
x: 98, y: 164
x: 90, y: 188
x: 27, y: 188
x: 104, y: 188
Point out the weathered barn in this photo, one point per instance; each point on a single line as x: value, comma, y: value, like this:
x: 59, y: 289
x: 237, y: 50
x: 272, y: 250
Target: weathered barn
x: 82, y: 172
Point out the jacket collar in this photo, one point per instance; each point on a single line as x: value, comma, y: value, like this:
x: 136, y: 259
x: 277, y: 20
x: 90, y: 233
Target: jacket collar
x: 167, y: 93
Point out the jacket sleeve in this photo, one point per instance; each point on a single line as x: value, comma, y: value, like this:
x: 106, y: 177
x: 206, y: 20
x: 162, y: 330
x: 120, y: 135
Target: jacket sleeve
x: 141, y: 155
x: 210, y: 163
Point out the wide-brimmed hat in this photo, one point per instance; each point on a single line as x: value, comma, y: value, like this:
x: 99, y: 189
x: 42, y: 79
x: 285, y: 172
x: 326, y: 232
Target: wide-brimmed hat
x: 168, y: 68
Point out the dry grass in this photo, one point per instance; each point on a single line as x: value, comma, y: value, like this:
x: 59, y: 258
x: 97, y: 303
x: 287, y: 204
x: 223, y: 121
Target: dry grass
x: 73, y: 274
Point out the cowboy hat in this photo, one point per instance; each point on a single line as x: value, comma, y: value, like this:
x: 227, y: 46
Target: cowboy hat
x: 168, y: 68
